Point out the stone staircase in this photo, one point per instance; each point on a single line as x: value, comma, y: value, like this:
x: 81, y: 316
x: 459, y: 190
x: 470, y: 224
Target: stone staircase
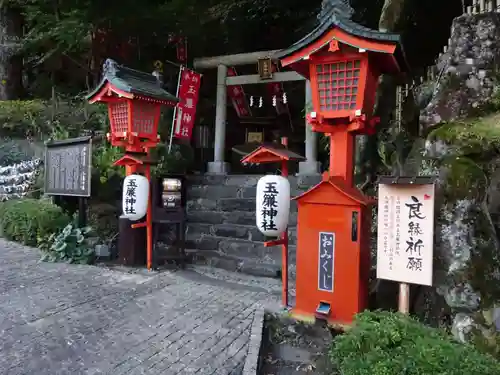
x: 221, y: 229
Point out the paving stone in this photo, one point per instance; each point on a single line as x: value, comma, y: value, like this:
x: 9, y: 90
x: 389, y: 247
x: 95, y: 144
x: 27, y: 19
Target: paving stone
x: 68, y: 319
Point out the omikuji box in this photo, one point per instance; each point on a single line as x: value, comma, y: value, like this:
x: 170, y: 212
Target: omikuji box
x: 333, y: 259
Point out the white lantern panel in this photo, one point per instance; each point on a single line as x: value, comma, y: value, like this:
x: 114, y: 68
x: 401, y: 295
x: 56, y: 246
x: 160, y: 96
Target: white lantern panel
x: 272, y: 205
x: 135, y: 197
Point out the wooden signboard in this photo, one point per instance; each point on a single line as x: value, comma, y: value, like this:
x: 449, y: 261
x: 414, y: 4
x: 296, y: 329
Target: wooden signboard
x: 405, y: 232
x: 68, y: 166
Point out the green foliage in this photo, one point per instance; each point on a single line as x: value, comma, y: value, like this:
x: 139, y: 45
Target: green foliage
x: 27, y: 220
x: 22, y: 117
x: 11, y: 152
x: 178, y: 161
x: 383, y: 343
x: 69, y: 246
x: 470, y: 136
x: 103, y: 159
x: 104, y: 218
x: 42, y: 119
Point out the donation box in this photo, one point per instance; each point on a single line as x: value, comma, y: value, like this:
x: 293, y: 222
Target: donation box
x: 333, y: 255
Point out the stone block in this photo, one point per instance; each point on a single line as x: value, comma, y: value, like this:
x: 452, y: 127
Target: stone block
x: 201, y: 204
x: 236, y: 204
x: 242, y: 180
x: 260, y: 270
x: 248, y: 192
x: 240, y: 217
x: 207, y: 217
x: 207, y: 179
x: 196, y: 230
x: 206, y: 243
x: 253, y: 250
x: 306, y: 182
x: 292, y: 236
x: 256, y: 235
x: 212, y: 192
x: 231, y: 231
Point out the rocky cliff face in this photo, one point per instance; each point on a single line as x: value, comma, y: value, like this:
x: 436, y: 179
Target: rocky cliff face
x: 468, y: 71
x: 460, y: 114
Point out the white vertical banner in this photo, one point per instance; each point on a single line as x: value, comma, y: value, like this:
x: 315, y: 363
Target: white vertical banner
x: 405, y: 236
x: 174, y: 116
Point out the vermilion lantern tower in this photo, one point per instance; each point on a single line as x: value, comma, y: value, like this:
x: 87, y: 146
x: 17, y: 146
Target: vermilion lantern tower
x: 134, y: 100
x: 343, y: 61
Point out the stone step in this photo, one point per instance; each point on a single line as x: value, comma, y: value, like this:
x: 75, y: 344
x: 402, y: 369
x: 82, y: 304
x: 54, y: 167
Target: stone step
x: 302, y: 182
x: 233, y: 217
x: 227, y: 205
x: 234, y: 264
x: 235, y: 231
x: 215, y: 192
x: 248, y: 266
x: 238, y: 248
x: 228, y: 180
x: 220, y: 191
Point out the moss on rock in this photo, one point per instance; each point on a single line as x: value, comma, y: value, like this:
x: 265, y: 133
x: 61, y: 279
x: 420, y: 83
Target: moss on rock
x: 467, y: 250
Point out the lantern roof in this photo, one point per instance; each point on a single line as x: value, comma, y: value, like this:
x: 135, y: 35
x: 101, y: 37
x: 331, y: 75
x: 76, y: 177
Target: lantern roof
x: 334, y: 23
x: 336, y: 184
x: 131, y: 84
x: 134, y: 159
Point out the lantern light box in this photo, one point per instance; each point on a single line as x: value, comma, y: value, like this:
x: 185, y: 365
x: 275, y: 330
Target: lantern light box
x: 343, y: 61
x: 134, y: 100
x: 135, y: 197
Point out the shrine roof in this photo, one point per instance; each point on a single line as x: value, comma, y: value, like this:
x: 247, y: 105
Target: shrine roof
x: 334, y: 16
x: 267, y: 153
x: 131, y: 81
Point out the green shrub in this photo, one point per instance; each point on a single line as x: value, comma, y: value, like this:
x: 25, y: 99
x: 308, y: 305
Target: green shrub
x: 70, y: 246
x: 27, y: 220
x: 103, y: 218
x: 382, y: 343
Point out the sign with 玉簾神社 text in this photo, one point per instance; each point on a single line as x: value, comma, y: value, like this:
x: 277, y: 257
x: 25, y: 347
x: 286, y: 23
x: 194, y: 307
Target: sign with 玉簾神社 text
x: 326, y: 260
x: 272, y: 205
x: 405, y: 236
x: 68, y: 166
x: 135, y: 197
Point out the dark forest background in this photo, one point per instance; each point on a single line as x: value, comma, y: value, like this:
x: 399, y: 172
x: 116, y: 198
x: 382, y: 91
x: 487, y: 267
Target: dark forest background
x: 47, y: 44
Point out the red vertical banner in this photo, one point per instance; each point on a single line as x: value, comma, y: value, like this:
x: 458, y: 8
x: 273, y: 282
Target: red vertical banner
x: 185, y: 113
x: 180, y: 46
x: 237, y: 96
x: 182, y: 50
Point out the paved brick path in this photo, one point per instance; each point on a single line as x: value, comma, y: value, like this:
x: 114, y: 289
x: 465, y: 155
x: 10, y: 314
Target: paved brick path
x: 67, y: 319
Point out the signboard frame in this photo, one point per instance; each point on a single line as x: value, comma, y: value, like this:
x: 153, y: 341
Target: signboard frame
x: 409, y: 187
x: 69, y: 142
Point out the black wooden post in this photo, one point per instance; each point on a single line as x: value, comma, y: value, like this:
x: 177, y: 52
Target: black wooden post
x: 82, y: 212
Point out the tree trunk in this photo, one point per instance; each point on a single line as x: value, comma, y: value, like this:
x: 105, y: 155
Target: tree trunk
x: 392, y: 11
x: 369, y: 160
x: 11, y: 63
